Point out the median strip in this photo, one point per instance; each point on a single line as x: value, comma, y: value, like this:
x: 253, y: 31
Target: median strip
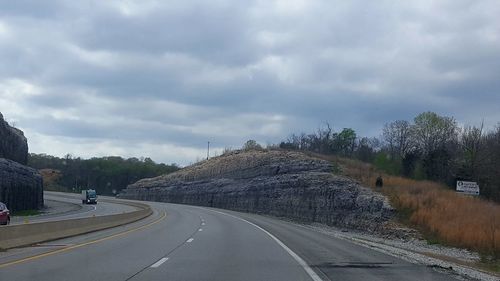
x: 82, y: 244
x: 28, y: 234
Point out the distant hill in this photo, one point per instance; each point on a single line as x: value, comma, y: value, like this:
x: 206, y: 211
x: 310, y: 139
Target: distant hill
x: 108, y: 175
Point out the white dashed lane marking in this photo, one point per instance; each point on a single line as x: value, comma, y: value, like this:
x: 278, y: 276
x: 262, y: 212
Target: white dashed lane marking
x: 160, y: 262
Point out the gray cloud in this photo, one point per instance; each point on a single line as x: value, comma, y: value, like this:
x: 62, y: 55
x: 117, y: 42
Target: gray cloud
x: 142, y: 77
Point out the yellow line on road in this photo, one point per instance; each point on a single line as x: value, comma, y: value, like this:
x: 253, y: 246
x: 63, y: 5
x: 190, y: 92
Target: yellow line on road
x: 82, y: 244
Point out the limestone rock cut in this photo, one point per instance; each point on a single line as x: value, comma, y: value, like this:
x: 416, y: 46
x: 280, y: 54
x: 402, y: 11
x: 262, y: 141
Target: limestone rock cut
x: 280, y: 183
x: 13, y: 143
x: 21, y: 187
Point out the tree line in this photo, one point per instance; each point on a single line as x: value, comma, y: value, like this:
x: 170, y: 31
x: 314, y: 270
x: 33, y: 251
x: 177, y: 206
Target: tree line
x: 429, y: 147
x: 107, y: 175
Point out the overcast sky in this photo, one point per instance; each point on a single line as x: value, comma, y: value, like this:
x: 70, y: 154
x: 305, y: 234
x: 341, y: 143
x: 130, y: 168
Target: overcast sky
x: 161, y: 78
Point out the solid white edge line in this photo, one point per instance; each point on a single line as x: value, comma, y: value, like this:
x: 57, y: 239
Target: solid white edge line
x: 160, y: 262
x: 190, y: 240
x: 297, y: 258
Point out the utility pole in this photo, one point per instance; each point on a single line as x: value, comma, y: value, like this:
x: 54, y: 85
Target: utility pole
x: 208, y: 150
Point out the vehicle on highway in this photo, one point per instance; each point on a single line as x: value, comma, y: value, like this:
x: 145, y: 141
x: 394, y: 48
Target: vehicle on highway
x: 4, y: 214
x: 89, y: 196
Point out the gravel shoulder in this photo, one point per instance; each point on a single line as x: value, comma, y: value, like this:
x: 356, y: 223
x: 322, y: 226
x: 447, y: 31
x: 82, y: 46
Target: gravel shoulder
x: 414, y: 250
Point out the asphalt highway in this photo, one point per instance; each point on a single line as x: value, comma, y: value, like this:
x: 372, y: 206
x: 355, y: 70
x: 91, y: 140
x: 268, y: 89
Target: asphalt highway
x: 69, y: 206
x: 180, y: 242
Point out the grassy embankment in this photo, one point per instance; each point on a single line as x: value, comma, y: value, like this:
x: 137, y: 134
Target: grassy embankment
x: 442, y: 215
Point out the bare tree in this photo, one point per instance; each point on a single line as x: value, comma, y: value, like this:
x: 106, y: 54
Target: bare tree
x: 487, y: 169
x: 324, y: 135
x: 472, y: 145
x: 399, y: 138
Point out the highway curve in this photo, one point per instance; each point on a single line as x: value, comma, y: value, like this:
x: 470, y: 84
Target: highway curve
x: 104, y: 207
x: 180, y: 242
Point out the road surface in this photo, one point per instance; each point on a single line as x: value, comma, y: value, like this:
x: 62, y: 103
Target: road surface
x: 180, y: 242
x: 69, y: 206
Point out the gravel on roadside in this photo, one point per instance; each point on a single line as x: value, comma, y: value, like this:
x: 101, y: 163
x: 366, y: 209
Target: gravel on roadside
x: 414, y: 250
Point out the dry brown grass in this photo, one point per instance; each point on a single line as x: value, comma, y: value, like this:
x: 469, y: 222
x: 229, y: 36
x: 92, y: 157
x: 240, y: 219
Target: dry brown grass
x: 447, y: 216
x: 441, y: 214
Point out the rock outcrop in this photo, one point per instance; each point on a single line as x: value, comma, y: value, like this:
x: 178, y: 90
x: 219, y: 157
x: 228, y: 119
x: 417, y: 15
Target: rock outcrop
x: 21, y: 187
x: 13, y: 143
x: 279, y: 183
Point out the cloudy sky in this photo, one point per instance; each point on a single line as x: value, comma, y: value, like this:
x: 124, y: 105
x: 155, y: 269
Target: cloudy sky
x: 161, y: 78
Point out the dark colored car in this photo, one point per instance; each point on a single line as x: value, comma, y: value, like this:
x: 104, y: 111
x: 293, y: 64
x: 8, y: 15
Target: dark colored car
x: 4, y: 214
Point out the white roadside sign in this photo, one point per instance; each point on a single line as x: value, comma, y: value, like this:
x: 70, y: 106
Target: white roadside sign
x: 468, y: 187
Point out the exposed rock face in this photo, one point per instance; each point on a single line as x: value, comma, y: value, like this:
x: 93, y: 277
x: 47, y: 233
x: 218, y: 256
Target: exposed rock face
x: 286, y: 184
x: 21, y: 187
x: 13, y: 143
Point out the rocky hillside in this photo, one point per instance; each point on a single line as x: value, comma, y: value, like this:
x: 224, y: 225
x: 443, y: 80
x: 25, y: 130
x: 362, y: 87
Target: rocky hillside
x: 21, y: 187
x: 279, y: 183
x: 13, y: 144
